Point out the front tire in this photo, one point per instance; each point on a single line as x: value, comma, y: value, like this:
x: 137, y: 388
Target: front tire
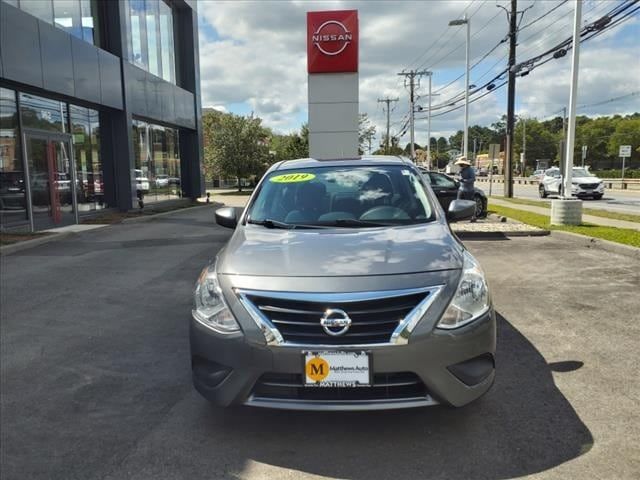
x: 479, y: 206
x: 597, y: 197
x: 542, y: 191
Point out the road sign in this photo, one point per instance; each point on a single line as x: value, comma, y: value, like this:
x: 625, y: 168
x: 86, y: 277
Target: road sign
x: 494, y: 151
x: 625, y: 151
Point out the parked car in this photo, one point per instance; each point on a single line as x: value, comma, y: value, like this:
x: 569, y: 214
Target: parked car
x: 537, y: 175
x: 142, y: 182
x: 162, y: 180
x: 343, y: 288
x: 583, y: 184
x: 446, y: 189
x: 12, y: 190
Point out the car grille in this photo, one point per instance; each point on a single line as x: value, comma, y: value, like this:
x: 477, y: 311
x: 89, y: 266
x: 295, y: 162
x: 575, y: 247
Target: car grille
x: 373, y: 320
x: 385, y: 386
x: 587, y: 186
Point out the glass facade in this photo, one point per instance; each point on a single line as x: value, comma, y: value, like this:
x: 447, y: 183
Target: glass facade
x: 157, y: 162
x: 44, y: 114
x: 76, y: 17
x: 150, y: 37
x: 13, y: 206
x: 85, y: 129
x: 65, y: 171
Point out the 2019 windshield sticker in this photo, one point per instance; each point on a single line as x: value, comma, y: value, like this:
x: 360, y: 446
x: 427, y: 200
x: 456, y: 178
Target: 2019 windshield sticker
x: 293, y: 178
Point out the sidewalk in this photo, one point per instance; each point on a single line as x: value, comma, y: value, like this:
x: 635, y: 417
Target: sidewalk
x: 605, y: 222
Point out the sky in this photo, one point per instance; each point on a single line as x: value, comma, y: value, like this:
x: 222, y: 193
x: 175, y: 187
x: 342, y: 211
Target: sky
x: 253, y: 59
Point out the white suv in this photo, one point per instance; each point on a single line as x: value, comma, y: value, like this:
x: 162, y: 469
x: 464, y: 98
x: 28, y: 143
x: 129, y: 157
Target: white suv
x: 583, y: 184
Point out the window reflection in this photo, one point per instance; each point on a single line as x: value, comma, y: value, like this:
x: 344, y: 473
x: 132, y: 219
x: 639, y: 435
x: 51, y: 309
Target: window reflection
x: 66, y: 15
x: 150, y: 39
x: 85, y: 128
x: 157, y: 162
x: 43, y: 113
x: 12, y: 189
x: 76, y: 17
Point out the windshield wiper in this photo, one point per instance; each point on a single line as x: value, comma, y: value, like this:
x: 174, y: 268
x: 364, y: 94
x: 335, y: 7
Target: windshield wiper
x: 354, y: 222
x: 269, y: 223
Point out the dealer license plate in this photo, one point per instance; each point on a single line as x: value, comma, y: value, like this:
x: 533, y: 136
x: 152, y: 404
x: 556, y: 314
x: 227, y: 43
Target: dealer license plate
x: 337, y: 369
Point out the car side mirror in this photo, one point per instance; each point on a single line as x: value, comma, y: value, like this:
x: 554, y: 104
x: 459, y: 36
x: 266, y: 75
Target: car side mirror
x: 461, y: 210
x: 227, y: 217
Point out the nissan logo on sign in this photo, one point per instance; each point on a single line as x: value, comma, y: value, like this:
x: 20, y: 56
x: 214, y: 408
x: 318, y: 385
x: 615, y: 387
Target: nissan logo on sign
x: 332, y: 41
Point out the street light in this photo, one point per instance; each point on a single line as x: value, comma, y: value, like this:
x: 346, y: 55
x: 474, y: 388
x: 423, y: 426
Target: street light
x: 454, y: 23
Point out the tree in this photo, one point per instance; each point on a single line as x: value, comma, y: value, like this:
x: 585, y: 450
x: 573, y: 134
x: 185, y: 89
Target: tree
x: 238, y: 147
x: 441, y: 145
x: 289, y: 147
x: 366, y: 133
x: 627, y: 132
x: 540, y: 143
x: 407, y: 148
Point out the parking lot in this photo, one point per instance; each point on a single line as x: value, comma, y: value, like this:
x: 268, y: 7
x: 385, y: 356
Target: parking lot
x: 96, y: 376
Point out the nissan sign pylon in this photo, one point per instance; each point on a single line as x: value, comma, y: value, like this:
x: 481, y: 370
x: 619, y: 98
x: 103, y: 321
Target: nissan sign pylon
x: 332, y: 65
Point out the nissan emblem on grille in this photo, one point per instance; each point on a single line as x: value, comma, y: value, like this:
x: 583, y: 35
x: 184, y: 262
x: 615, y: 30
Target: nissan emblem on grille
x: 335, y: 318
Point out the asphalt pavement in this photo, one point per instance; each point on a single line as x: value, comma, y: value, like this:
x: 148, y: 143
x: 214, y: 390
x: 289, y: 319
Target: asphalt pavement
x: 96, y: 379
x: 621, y: 201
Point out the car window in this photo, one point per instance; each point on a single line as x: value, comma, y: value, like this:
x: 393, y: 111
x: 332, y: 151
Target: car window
x: 440, y: 180
x: 581, y: 172
x: 389, y: 194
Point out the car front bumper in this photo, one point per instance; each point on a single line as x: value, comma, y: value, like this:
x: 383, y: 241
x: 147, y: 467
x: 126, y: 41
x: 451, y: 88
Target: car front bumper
x: 588, y: 192
x: 454, y: 366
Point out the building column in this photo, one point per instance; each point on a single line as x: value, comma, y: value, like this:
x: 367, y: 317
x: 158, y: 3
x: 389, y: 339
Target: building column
x: 116, y: 143
x: 191, y: 141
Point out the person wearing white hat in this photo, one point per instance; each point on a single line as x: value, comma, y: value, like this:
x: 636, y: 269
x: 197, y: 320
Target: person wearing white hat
x: 466, y: 190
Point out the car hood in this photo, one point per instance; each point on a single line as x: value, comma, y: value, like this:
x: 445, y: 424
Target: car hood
x: 256, y: 250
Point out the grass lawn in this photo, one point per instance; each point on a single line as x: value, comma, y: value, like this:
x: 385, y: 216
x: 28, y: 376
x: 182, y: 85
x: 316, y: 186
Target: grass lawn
x: 629, y: 217
x: 620, y: 235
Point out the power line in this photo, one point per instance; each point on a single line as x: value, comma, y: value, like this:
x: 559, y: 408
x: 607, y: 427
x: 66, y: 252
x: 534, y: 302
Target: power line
x: 543, y: 15
x: 438, y: 40
x: 588, y: 29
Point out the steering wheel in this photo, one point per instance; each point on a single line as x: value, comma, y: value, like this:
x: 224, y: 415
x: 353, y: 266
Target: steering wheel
x: 385, y: 212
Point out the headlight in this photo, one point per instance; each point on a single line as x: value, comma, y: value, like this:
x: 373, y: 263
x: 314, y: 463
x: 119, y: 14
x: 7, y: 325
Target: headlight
x: 210, y: 308
x: 471, y: 299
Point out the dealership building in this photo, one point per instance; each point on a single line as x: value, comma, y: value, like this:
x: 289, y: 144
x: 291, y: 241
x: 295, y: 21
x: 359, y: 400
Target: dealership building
x: 99, y: 107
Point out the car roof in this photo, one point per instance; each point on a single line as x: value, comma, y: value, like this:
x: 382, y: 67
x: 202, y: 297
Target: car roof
x: 365, y: 160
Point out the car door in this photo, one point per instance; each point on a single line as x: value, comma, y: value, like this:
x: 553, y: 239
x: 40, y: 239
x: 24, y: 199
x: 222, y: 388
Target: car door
x: 445, y: 188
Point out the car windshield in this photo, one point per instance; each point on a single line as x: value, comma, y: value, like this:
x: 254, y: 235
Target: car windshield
x: 351, y: 197
x: 581, y: 172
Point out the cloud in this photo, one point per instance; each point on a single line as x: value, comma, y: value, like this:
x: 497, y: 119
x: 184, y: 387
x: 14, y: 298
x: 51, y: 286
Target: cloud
x: 256, y: 56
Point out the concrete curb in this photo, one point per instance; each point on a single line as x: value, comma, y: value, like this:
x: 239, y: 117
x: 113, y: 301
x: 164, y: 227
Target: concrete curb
x: 19, y: 246
x: 146, y: 218
x: 598, y: 243
x: 467, y: 235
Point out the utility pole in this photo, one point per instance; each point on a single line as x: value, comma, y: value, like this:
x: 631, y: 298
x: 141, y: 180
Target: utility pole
x: 429, y: 125
x: 388, y: 102
x: 511, y: 95
x: 524, y: 145
x: 573, y: 94
x: 411, y: 76
x: 511, y: 98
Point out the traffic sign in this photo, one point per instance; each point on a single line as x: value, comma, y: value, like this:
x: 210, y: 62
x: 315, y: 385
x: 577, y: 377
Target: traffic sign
x: 625, y: 151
